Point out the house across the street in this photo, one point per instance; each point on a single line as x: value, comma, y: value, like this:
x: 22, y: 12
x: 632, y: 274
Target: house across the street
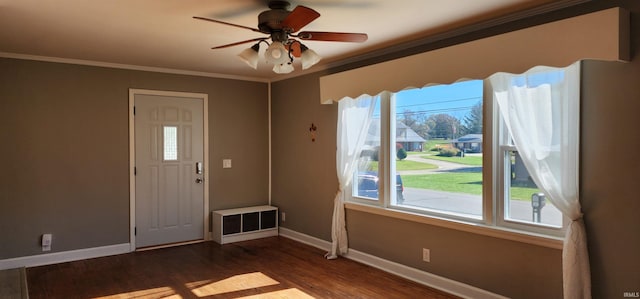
x: 470, y: 143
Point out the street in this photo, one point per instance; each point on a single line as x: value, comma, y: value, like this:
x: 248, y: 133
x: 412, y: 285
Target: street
x: 472, y: 205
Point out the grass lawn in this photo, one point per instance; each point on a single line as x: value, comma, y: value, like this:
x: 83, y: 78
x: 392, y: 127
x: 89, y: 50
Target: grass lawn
x: 468, y: 182
x: 432, y: 143
x: 415, y: 153
x: 466, y: 160
x: 413, y: 165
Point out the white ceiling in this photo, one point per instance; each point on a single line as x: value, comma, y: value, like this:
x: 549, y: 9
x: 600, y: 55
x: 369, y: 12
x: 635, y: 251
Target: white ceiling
x: 162, y: 33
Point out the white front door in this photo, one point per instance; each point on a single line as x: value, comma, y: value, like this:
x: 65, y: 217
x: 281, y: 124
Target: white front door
x: 169, y: 168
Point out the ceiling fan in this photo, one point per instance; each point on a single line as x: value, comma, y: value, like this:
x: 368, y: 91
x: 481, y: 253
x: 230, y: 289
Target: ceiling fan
x: 282, y: 26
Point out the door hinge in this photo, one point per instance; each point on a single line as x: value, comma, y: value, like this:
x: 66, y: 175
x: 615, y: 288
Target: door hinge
x: 135, y: 231
x: 135, y: 171
x: 134, y: 110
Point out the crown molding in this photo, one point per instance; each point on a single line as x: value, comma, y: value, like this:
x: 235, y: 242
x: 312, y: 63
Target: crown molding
x: 129, y: 67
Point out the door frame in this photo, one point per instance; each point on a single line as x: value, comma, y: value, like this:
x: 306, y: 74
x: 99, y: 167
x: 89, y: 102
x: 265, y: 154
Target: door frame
x: 132, y: 157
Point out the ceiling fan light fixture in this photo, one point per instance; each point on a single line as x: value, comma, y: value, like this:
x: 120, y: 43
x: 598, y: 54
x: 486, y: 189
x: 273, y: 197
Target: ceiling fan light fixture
x: 282, y: 26
x: 276, y: 53
x: 250, y: 56
x: 283, y: 68
x: 308, y: 57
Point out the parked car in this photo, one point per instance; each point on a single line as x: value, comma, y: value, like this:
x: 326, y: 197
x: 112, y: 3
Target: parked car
x: 368, y: 186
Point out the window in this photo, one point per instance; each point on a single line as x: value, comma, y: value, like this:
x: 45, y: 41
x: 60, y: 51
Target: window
x: 427, y: 143
x: 170, y: 137
x: 367, y: 173
x: 541, y: 130
x: 442, y: 171
x: 425, y: 154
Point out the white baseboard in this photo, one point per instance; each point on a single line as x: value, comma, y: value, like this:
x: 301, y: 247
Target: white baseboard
x: 65, y: 256
x: 431, y: 280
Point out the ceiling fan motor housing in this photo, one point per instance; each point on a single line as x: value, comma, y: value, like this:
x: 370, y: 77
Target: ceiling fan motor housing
x: 271, y: 20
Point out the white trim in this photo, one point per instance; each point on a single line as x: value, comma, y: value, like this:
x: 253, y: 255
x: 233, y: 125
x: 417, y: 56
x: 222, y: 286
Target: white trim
x: 129, y: 67
x: 132, y: 180
x: 205, y: 158
x: 269, y: 120
x: 305, y: 239
x: 132, y: 158
x: 64, y: 256
x: 170, y: 245
x: 249, y: 235
x: 422, y: 277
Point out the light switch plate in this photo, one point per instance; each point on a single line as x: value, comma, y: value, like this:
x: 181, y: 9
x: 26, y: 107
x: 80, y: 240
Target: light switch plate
x: 226, y: 163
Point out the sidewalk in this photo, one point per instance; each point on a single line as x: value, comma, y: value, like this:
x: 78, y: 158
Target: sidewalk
x: 442, y: 166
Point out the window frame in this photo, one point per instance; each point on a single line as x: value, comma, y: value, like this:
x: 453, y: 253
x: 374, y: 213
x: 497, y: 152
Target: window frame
x: 500, y: 146
x: 493, y: 177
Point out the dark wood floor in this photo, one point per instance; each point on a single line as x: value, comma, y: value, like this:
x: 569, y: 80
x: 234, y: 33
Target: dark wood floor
x: 266, y: 268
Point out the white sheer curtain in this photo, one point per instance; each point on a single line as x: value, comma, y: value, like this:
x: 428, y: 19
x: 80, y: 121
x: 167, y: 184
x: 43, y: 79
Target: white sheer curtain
x: 354, y: 117
x: 541, y: 110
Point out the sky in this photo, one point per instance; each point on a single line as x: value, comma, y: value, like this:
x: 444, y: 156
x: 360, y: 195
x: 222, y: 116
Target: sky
x: 454, y: 99
x: 457, y: 99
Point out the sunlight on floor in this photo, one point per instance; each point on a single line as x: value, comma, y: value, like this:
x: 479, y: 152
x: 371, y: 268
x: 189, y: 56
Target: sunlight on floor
x: 163, y: 292
x: 206, y: 288
x: 232, y: 284
x: 288, y: 293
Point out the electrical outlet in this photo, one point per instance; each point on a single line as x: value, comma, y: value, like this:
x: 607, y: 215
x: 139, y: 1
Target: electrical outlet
x: 283, y: 216
x: 426, y: 255
x: 46, y: 242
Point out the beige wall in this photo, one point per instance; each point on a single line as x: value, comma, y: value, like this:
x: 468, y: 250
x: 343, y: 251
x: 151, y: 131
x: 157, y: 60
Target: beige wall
x: 65, y: 142
x: 304, y: 185
x: 303, y: 172
x: 64, y: 132
x: 610, y: 168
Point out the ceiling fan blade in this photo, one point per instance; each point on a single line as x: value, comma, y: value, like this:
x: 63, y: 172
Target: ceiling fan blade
x: 333, y: 36
x: 295, y: 49
x: 226, y: 23
x: 239, y: 43
x: 299, y: 17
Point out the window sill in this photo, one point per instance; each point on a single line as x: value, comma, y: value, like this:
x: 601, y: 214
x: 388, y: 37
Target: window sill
x: 475, y: 228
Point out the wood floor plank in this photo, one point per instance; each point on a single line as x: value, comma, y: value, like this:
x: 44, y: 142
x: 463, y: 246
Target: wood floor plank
x: 265, y: 268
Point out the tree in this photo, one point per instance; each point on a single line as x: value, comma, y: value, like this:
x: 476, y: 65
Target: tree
x: 408, y: 118
x: 415, y: 121
x: 473, y: 120
x: 444, y: 126
x: 401, y: 154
